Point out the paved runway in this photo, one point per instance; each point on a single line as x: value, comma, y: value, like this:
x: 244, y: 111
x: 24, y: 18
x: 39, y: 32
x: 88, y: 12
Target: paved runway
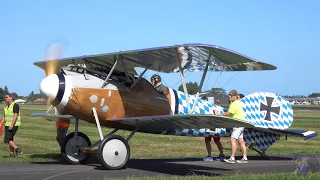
x: 154, y: 167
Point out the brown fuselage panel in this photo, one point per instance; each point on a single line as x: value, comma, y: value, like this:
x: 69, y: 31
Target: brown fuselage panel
x: 142, y: 100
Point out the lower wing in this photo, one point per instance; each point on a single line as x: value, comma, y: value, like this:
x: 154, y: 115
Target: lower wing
x: 50, y: 117
x: 156, y: 124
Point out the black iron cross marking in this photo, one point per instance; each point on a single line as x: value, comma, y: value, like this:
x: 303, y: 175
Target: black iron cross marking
x: 269, y: 109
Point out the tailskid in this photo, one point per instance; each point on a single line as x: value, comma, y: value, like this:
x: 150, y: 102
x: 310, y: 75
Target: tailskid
x: 253, y: 147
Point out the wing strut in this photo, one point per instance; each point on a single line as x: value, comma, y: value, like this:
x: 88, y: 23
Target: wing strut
x: 190, y: 111
x: 184, y: 85
x: 201, y: 84
x: 140, y: 76
x: 124, y: 68
x: 111, y: 71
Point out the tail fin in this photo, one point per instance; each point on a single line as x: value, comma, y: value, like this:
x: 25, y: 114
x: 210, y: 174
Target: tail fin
x: 267, y: 110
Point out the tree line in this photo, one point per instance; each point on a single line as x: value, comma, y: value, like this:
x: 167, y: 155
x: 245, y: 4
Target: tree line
x: 193, y: 88
x: 31, y: 97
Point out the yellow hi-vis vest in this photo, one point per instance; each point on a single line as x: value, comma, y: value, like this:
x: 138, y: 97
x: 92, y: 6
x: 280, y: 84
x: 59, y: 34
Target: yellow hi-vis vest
x: 8, y: 116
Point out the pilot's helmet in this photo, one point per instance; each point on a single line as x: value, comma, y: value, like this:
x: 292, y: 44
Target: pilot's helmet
x: 156, y: 78
x: 204, y: 98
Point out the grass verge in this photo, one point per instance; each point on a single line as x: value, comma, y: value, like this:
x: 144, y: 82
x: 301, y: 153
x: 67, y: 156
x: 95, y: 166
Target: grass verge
x: 280, y: 176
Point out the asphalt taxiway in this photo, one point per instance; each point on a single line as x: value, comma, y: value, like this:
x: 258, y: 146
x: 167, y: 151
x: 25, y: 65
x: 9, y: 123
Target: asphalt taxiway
x: 154, y: 167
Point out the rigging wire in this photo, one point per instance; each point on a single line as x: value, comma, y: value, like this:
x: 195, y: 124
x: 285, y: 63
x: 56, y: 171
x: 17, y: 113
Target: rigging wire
x: 230, y: 79
x: 216, y: 79
x: 207, y: 80
x: 180, y: 80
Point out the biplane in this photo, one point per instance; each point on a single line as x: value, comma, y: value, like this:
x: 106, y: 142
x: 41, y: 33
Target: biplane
x: 106, y: 90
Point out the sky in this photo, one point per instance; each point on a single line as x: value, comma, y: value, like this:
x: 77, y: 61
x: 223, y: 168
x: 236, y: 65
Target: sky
x: 282, y: 33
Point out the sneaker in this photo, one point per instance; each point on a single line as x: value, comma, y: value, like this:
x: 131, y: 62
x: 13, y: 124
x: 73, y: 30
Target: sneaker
x: 232, y: 161
x: 242, y: 161
x: 18, y: 152
x: 208, y: 158
x: 220, y: 158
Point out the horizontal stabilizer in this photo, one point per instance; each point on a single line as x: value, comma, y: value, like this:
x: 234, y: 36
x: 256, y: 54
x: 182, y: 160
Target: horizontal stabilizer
x: 170, y: 122
x: 263, y: 138
x: 50, y: 116
x: 291, y: 132
x: 301, y: 133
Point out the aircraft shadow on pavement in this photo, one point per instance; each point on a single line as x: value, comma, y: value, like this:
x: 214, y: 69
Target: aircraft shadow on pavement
x: 176, y: 166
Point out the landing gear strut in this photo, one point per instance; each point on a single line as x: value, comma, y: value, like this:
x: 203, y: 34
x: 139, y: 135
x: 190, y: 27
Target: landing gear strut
x: 113, y: 150
x: 71, y: 145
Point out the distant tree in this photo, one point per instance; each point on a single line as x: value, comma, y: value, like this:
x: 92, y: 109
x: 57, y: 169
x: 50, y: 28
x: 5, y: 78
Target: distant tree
x: 15, y: 94
x: 299, y: 96
x: 31, y: 96
x: 192, y: 87
x: 6, y: 90
x: 314, y: 95
x: 218, y: 91
x: 1, y: 95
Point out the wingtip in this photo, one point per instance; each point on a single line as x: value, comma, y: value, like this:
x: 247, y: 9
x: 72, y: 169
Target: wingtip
x: 311, y: 135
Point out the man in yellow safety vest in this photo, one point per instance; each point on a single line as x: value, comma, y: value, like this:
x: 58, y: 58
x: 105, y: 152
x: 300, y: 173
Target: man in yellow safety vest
x: 11, y: 120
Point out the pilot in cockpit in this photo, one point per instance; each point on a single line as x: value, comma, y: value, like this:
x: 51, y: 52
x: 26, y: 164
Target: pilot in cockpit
x: 156, y: 83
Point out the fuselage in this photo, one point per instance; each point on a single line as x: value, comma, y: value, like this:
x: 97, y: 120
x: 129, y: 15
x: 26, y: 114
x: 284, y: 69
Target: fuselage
x: 76, y: 93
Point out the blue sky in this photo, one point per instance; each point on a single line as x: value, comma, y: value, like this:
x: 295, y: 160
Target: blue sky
x: 283, y: 33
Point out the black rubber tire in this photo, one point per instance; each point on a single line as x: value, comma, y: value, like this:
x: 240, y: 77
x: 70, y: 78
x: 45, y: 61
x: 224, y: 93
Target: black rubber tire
x: 68, y: 138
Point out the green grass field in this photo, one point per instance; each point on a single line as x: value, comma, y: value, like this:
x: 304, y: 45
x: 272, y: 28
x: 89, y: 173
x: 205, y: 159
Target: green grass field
x: 36, y: 137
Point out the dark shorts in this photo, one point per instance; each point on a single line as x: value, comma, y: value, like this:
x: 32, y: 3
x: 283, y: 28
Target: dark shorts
x: 10, y: 133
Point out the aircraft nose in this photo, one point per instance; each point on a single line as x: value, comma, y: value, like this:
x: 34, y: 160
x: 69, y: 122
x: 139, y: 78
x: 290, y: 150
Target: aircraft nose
x: 49, y: 86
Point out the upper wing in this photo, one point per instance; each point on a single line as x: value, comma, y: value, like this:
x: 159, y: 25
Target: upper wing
x: 157, y: 124
x: 192, y: 57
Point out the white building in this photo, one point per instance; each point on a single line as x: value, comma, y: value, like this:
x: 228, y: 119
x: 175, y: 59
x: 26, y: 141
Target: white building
x: 20, y: 101
x: 307, y: 100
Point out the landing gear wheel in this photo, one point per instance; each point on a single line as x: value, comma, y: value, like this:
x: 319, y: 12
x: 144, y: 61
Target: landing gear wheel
x: 114, y: 152
x: 71, y: 146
